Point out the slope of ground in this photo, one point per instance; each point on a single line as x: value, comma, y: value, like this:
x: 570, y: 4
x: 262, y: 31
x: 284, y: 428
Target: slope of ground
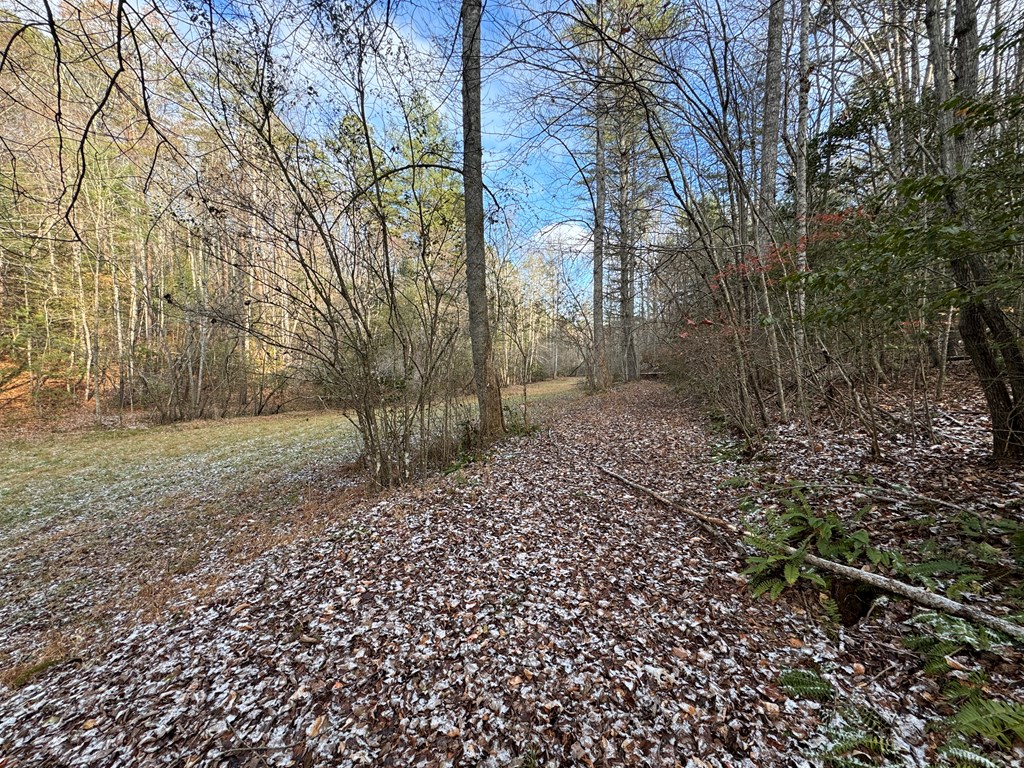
x: 521, y: 611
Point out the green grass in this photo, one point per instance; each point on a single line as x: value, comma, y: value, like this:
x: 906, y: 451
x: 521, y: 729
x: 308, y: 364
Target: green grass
x: 97, y: 522
x: 103, y: 471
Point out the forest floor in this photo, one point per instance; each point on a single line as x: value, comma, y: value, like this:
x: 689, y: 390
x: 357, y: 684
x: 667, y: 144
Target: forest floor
x: 98, y: 524
x: 522, y: 610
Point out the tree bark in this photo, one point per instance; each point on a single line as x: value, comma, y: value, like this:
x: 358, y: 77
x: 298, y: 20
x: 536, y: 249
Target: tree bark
x: 485, y: 377
x: 601, y: 377
x: 800, y: 201
x: 627, y: 266
x: 767, y: 187
x: 988, y: 336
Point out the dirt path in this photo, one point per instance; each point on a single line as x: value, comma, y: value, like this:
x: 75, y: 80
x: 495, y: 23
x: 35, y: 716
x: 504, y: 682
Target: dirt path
x: 523, y: 611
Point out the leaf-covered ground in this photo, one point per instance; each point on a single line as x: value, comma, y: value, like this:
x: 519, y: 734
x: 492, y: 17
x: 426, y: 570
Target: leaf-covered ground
x: 525, y: 610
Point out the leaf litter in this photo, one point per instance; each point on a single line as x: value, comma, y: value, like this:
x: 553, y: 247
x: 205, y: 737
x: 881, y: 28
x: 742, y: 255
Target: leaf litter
x: 521, y: 611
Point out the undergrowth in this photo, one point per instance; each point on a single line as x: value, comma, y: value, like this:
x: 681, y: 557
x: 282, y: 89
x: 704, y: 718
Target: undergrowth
x: 800, y: 528
x: 981, y: 725
x: 978, y: 717
x: 855, y: 734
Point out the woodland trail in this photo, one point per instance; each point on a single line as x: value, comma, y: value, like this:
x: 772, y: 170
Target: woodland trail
x: 520, y: 611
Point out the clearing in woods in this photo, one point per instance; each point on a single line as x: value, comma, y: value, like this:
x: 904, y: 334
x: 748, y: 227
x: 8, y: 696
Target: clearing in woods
x: 522, y: 610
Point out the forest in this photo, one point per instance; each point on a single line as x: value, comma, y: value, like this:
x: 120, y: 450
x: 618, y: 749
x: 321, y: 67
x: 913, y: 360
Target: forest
x: 573, y: 382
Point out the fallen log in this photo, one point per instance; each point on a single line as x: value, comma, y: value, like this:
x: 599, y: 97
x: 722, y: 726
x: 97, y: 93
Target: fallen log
x: 917, y: 595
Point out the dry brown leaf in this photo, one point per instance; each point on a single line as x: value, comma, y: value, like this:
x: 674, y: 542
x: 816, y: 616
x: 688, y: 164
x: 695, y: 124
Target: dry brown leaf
x: 316, y: 727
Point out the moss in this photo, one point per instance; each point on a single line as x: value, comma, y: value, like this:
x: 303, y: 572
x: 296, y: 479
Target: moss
x: 20, y: 676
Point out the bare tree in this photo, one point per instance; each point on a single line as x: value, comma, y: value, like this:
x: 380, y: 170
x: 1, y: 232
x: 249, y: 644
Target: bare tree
x: 485, y: 377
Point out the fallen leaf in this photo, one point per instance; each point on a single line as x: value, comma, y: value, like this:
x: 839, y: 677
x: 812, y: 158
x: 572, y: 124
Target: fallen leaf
x: 316, y: 727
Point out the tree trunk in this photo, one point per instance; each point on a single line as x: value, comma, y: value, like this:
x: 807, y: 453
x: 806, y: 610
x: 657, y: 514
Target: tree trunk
x: 800, y: 200
x: 627, y: 267
x: 600, y: 373
x: 769, y: 168
x: 485, y: 378
x: 988, y: 336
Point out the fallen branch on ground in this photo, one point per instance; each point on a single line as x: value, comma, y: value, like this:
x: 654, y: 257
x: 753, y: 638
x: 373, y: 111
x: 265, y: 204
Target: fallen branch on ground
x: 883, y: 583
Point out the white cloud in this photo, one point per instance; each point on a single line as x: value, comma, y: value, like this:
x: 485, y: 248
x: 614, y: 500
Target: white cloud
x: 566, y: 239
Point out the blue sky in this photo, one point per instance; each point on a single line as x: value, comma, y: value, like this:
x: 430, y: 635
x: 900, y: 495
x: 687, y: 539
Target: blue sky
x: 539, y: 190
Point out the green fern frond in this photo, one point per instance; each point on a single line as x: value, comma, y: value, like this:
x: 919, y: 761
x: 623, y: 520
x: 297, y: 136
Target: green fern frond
x: 959, y: 631
x: 845, y: 761
x: 767, y: 584
x: 860, y: 733
x: 966, y: 583
x: 860, y: 741
x: 1002, y: 722
x: 936, y: 657
x: 805, y: 684
x: 934, y: 650
x: 962, y: 756
x: 937, y: 568
x: 963, y: 691
x: 831, y: 608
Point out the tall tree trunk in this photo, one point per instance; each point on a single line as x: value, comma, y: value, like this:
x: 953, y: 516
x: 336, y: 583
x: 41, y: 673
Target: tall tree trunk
x: 485, y: 378
x: 600, y: 353
x: 800, y: 200
x: 769, y: 167
x: 988, y: 336
x: 122, y: 357
x: 627, y: 264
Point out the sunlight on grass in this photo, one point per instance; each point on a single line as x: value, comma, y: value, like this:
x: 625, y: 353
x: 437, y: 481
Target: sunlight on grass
x: 103, y: 473
x: 99, y: 472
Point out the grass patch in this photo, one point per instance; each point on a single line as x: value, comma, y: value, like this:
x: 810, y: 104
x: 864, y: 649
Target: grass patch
x: 21, y: 676
x: 101, y: 522
x: 55, y: 652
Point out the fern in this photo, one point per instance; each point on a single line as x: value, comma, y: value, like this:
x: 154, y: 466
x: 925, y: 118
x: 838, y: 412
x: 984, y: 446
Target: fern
x: 939, y: 663
x: 1017, y: 546
x: 960, y: 631
x: 797, y: 526
x: 831, y: 608
x: 1002, y: 722
x: 934, y: 650
x: 936, y: 568
x: 767, y: 583
x: 862, y: 737
x: 859, y: 741
x: 962, y: 756
x: 968, y: 583
x: 960, y: 690
x: 932, y: 572
x: 804, y: 684
x: 845, y: 761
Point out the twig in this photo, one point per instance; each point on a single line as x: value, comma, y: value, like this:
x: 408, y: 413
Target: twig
x: 706, y: 521
x: 257, y: 748
x: 882, y: 583
x: 908, y: 496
